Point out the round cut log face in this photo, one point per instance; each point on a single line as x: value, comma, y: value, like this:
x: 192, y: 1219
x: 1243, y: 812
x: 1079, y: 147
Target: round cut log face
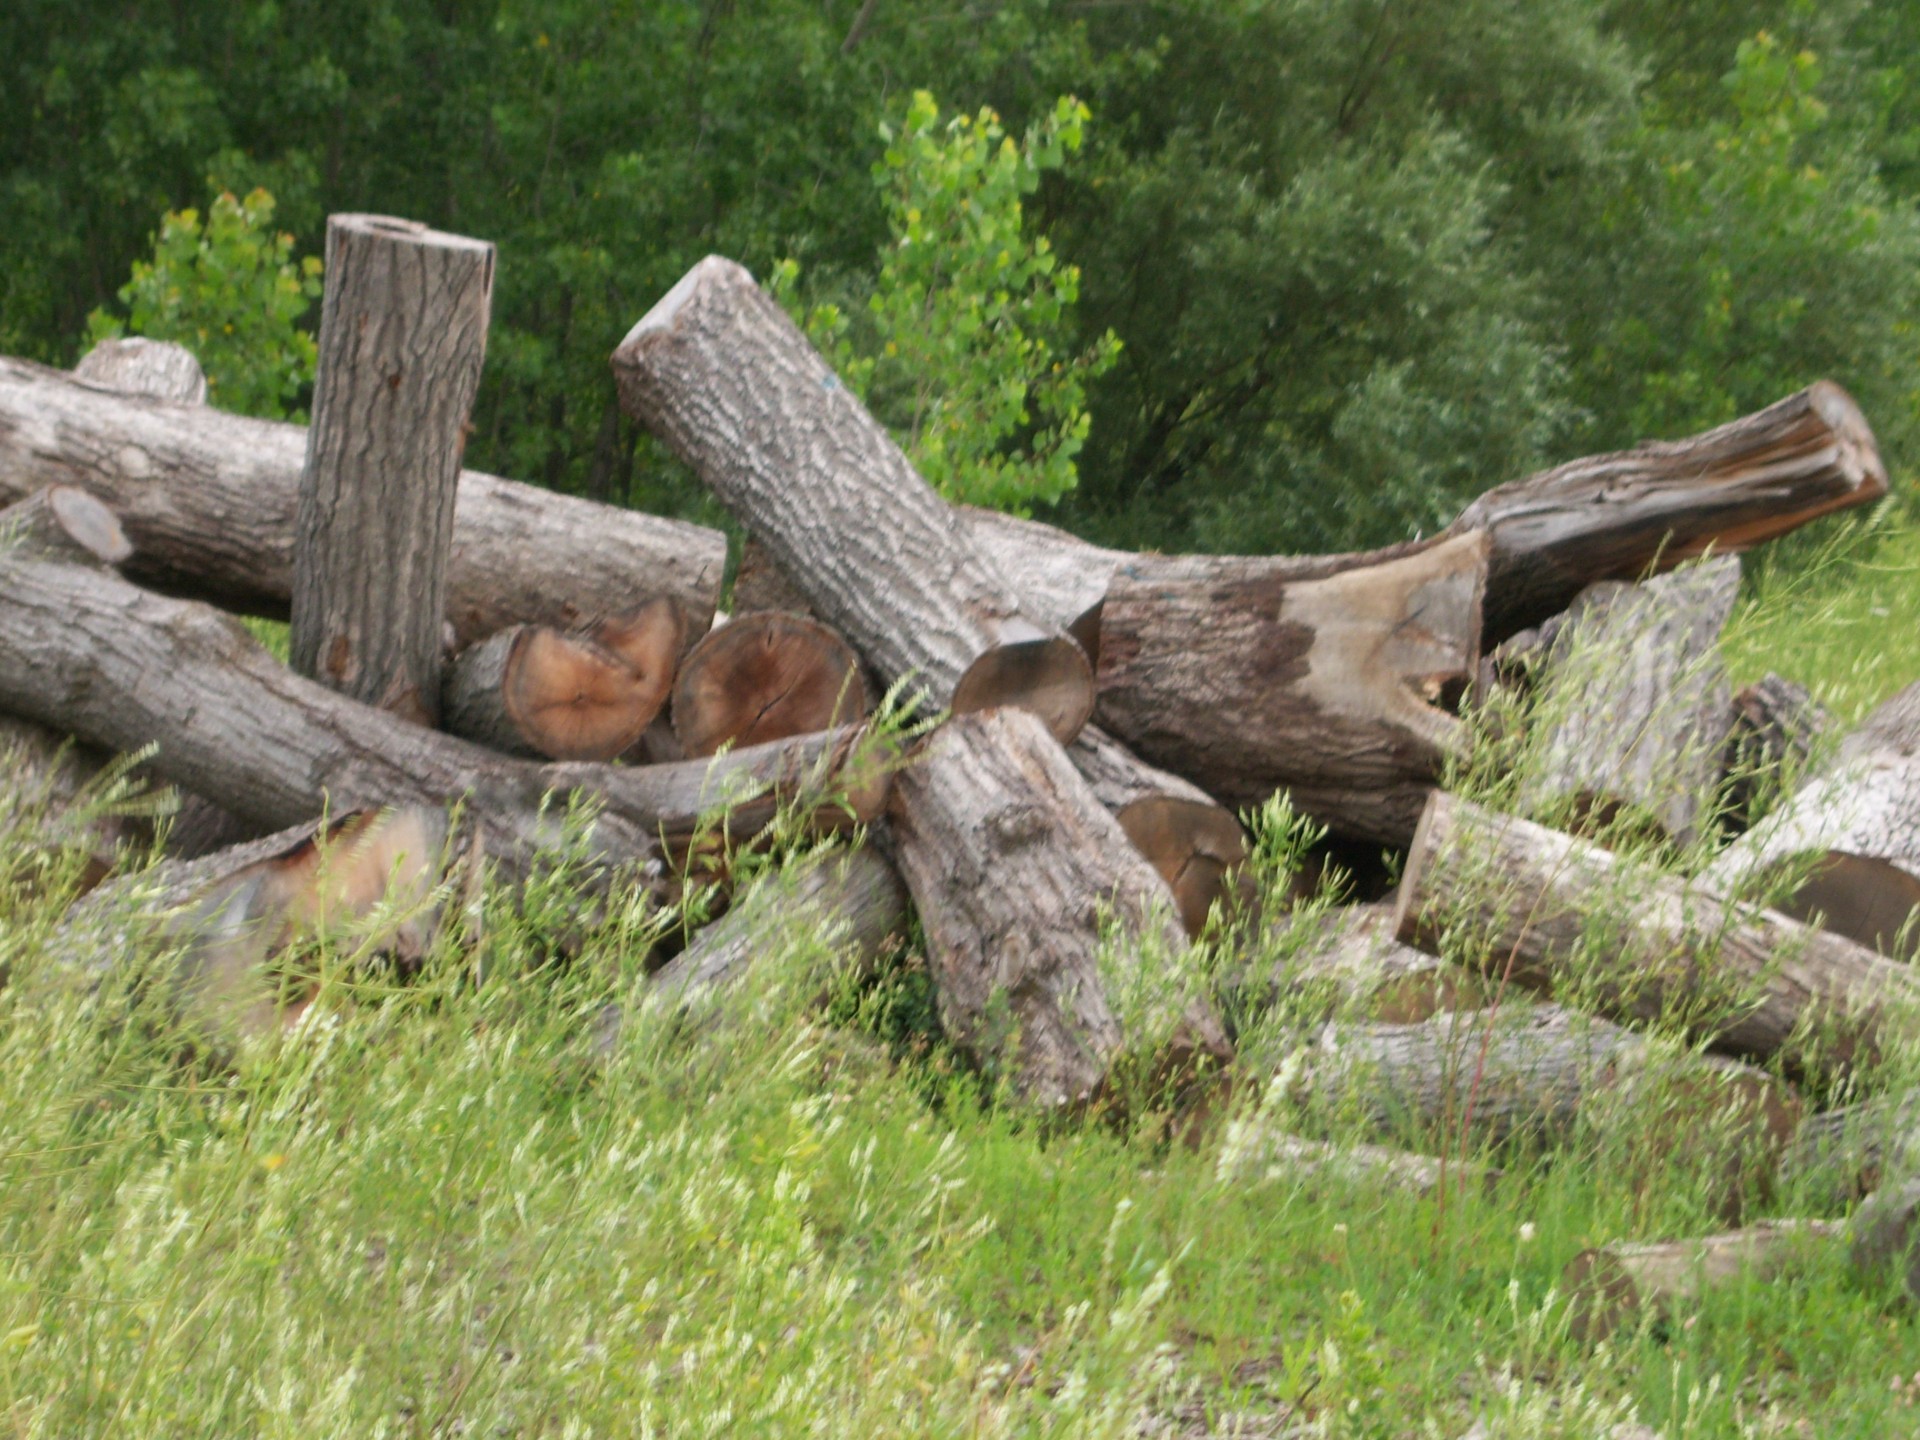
x: 574, y: 700
x: 1048, y: 677
x: 766, y: 676
x: 649, y: 639
x: 89, y: 524
x: 1197, y: 848
x: 1869, y: 901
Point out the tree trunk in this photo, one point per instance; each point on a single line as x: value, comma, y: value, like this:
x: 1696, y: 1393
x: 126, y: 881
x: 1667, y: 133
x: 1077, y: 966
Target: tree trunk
x: 1190, y: 838
x: 1633, y: 710
x: 155, y: 368
x: 1776, y: 726
x: 122, y: 667
x: 534, y: 691
x: 762, y: 677
x: 1255, y: 1150
x: 1845, y: 1152
x: 719, y: 372
x: 1350, y: 956
x: 1559, y: 911
x: 1015, y: 868
x: 1615, y: 1285
x: 403, y: 334
x: 208, y: 500
x: 1325, y: 687
x: 1614, y: 517
x: 1848, y: 841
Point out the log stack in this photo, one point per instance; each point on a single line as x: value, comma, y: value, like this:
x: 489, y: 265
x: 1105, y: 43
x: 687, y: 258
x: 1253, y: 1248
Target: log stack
x: 1065, y: 824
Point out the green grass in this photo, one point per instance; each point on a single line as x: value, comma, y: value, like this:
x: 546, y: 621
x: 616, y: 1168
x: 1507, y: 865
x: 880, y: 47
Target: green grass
x: 430, y: 1210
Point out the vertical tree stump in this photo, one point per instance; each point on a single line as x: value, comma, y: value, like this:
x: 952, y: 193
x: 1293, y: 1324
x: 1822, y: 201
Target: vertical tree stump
x: 403, y: 332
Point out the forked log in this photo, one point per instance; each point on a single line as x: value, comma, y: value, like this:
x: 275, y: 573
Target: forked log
x: 1777, y: 725
x: 1633, y: 709
x: 1052, y: 943
x: 532, y: 690
x: 1349, y: 956
x: 403, y: 334
x: 1646, y: 947
x: 1192, y: 840
x: 720, y: 373
x: 1614, y: 1286
x: 208, y: 501
x: 1615, y: 517
x: 765, y: 676
x: 1326, y: 687
x: 139, y: 366
x: 1255, y: 1150
x: 1847, y: 841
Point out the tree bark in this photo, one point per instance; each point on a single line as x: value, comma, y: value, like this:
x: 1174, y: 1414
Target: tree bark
x: 1615, y: 517
x: 1560, y: 911
x: 1325, y: 687
x: 1886, y: 1237
x: 1776, y: 726
x: 403, y: 334
x: 156, y: 368
x: 1349, y: 954
x: 1015, y: 867
x: 1614, y: 1285
x: 1849, y: 839
x: 532, y: 690
x: 208, y: 501
x: 57, y: 784
x: 1845, y: 1152
x: 1633, y: 711
x: 1062, y: 580
x: 725, y: 378
x: 762, y: 677
x: 66, y: 521
x: 1256, y: 1150
x: 760, y: 585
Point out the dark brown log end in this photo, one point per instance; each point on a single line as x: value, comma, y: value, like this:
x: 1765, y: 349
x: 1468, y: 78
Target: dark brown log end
x: 765, y: 676
x: 1048, y: 677
x: 1867, y: 900
x: 1600, y: 1295
x: 572, y: 700
x: 1196, y: 846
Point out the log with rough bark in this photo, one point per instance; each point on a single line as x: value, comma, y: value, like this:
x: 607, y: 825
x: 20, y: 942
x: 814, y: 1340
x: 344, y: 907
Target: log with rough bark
x: 1615, y: 1285
x: 534, y: 690
x: 208, y: 500
x: 1886, y: 1237
x: 1847, y: 842
x: 729, y: 382
x: 121, y: 667
x: 1053, y: 945
x: 1558, y: 911
x: 1842, y: 1154
x: 1349, y: 956
x: 403, y: 334
x: 1633, y: 709
x: 765, y: 676
x: 1615, y: 517
x: 1255, y: 1149
x: 760, y: 584
x: 1061, y: 578
x: 1189, y: 837
x: 1327, y: 687
x: 1777, y: 726
x: 140, y: 366
x: 65, y: 520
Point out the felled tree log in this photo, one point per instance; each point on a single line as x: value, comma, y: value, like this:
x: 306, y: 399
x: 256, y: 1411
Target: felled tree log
x: 1016, y: 870
x: 1326, y: 687
x: 1192, y: 840
x: 1648, y: 947
x: 1061, y: 578
x: 1776, y: 726
x: 760, y: 584
x: 1851, y: 836
x: 1886, y: 1237
x: 532, y: 690
x: 765, y: 676
x: 208, y: 501
x: 140, y: 366
x: 1614, y: 1285
x: 67, y: 521
x: 1845, y: 1152
x: 403, y: 334
x: 60, y: 785
x: 729, y: 382
x: 1614, y: 517
x: 121, y: 667
x: 1351, y: 956
x: 1256, y: 1150
x: 1633, y: 709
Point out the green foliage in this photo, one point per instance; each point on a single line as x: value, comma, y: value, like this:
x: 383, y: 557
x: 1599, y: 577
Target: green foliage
x: 963, y: 349
x: 229, y: 290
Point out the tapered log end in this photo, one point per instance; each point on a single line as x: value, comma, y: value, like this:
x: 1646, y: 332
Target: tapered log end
x: 1869, y: 901
x: 573, y: 700
x: 715, y: 270
x: 1048, y: 677
x: 766, y: 676
x: 1196, y: 846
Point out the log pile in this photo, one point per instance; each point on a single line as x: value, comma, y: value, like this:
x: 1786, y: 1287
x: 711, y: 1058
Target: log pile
x: 485, y: 675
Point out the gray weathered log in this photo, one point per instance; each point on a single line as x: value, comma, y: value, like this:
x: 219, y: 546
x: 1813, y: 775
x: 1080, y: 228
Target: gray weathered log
x: 208, y: 501
x: 139, y: 366
x: 1633, y: 710
x: 1326, y: 686
x: 1848, y: 840
x: 1350, y: 956
x: 403, y: 334
x: 1886, y: 1237
x: 1255, y: 1149
x: 719, y: 372
x: 67, y: 521
x: 73, y: 803
x: 1777, y: 727
x: 1615, y: 517
x: 1844, y: 1153
x: 1648, y: 947
x: 1616, y: 1285
x: 1019, y: 873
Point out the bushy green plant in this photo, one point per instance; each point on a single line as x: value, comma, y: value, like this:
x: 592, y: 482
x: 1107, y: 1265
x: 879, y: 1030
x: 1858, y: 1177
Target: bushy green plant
x: 965, y: 350
x: 226, y: 286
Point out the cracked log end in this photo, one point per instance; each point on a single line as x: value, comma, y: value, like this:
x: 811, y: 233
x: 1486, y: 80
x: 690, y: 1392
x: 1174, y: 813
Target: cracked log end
x: 1048, y: 677
x: 1196, y: 846
x: 573, y: 700
x: 765, y: 676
